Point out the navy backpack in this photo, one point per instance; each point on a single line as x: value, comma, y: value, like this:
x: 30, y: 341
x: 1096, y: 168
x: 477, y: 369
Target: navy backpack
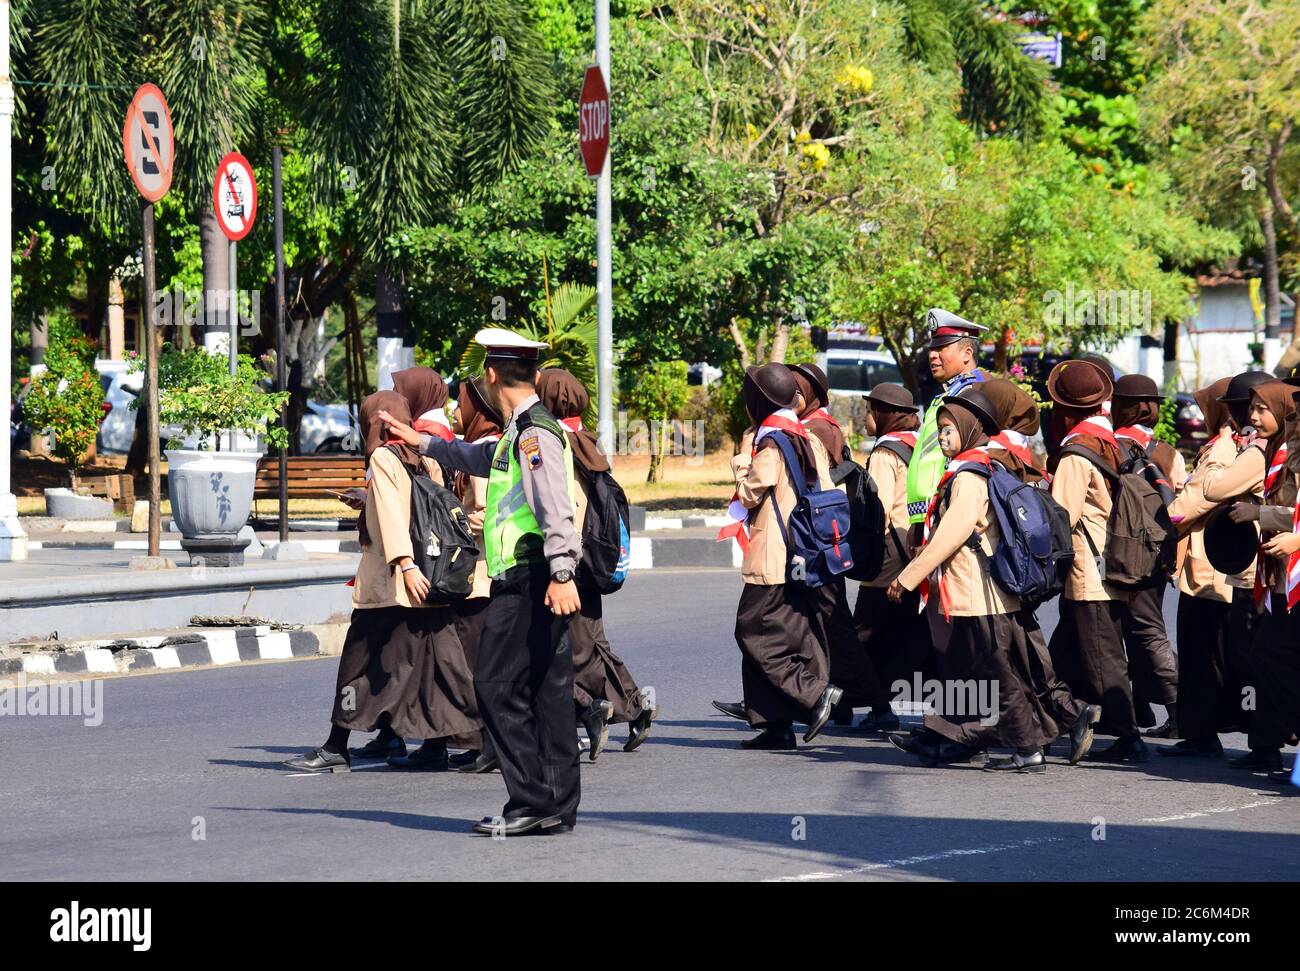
x: 817, y: 535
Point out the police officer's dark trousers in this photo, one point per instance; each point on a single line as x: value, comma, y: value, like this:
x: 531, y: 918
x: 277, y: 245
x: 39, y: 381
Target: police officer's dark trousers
x: 524, y: 685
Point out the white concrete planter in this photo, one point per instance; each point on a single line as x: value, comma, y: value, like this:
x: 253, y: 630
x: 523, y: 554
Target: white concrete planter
x: 210, y: 492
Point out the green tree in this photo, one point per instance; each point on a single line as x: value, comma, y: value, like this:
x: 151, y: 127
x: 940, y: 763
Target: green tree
x: 66, y: 399
x: 656, y: 394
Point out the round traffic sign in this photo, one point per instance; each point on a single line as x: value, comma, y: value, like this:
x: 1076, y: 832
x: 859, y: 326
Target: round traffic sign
x: 593, y: 121
x: 234, y: 196
x: 147, y: 142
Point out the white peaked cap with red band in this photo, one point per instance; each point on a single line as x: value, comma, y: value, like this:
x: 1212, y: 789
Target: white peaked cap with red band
x: 506, y: 343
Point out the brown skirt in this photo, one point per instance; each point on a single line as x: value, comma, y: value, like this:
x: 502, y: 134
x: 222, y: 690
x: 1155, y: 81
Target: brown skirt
x: 407, y: 664
x: 1151, y: 664
x: 851, y: 667
x: 896, y: 636
x: 783, y: 666
x: 1003, y: 653
x: 469, y: 616
x: 1275, y: 663
x: 599, y: 673
x: 1209, y: 696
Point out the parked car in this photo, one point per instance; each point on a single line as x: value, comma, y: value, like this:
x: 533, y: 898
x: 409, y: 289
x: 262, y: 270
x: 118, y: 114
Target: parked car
x: 853, y: 371
x: 329, y: 428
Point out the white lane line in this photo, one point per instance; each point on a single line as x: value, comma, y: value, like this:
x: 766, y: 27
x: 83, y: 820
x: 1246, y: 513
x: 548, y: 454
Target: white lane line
x: 914, y: 860
x: 1274, y: 801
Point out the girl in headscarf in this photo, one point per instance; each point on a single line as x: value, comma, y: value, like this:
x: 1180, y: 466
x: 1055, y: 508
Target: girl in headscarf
x: 1209, y: 683
x: 426, y: 393
x: 603, y: 688
x: 988, y: 631
x: 402, y: 669
x: 1018, y: 421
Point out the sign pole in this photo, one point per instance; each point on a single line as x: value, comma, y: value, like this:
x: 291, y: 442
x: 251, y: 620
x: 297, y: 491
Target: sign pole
x: 280, y: 370
x: 604, y: 276
x: 13, y: 540
x: 233, y: 309
x: 151, y: 382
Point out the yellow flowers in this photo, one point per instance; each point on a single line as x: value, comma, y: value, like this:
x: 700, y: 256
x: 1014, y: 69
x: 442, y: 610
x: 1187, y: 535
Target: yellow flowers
x: 751, y: 132
x: 817, y: 155
x: 856, y: 77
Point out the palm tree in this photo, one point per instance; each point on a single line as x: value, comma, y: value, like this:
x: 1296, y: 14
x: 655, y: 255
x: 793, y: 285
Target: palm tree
x: 417, y: 102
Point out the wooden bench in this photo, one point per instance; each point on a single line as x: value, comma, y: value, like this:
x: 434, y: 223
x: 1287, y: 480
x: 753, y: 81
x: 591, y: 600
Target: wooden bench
x: 310, y: 476
x: 120, y: 489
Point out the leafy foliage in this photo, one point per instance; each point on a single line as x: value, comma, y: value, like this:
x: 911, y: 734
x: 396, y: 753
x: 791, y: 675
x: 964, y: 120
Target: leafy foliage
x: 67, y: 398
x: 656, y: 393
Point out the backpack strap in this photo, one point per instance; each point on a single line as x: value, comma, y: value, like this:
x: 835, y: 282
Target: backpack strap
x: 538, y: 417
x: 797, y: 479
x: 898, y: 448
x: 1082, y: 451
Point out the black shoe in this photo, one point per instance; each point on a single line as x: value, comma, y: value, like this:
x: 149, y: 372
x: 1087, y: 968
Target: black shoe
x: 1081, y: 732
x: 1206, y: 748
x: 638, y: 730
x: 842, y: 714
x: 595, y: 719
x: 1168, y: 730
x: 1020, y: 762
x: 771, y: 740
x: 886, y: 721
x: 1281, y: 777
x: 462, y: 759
x: 564, y: 826
x: 1128, y: 749
x: 515, y: 825
x: 378, y: 748
x: 1259, y: 760
x: 320, y: 760
x: 426, y: 758
x: 736, y: 709
x: 919, y: 745
x: 486, y: 762
x: 955, y: 753
x: 822, y: 711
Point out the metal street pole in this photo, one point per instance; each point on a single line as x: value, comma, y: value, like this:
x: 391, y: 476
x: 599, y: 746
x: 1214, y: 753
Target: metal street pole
x: 13, y: 541
x: 149, y: 311
x: 604, y: 276
x: 233, y: 349
x: 280, y: 371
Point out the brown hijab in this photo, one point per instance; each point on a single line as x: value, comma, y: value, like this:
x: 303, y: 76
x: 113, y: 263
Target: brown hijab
x: 1134, y: 411
x: 1067, y: 418
x: 1215, y: 411
x: 565, y: 397
x: 894, y: 419
x: 827, y: 432
x: 1016, y: 412
x: 373, y: 438
x: 478, y: 419
x: 969, y: 430
x: 1276, y: 397
x: 422, y: 387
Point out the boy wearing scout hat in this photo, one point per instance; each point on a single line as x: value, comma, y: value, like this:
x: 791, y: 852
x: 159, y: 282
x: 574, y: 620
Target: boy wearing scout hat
x: 523, y: 679
x: 953, y: 358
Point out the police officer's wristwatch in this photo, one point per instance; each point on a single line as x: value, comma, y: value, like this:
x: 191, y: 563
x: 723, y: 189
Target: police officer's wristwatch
x: 562, y: 576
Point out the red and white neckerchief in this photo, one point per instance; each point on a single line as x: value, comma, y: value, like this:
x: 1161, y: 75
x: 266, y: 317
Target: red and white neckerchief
x: 784, y: 420
x: 572, y: 424
x: 1139, y: 434
x: 1098, y: 426
x: 907, y: 438
x: 1261, y: 596
x: 971, y: 458
x: 1017, y: 443
x: 434, y: 422
x: 821, y: 413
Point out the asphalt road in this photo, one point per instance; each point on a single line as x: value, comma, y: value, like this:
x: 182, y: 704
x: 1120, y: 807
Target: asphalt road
x: 198, y: 753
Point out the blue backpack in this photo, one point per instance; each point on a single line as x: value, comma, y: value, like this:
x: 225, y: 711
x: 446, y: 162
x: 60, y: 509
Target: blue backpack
x: 817, y: 536
x: 1035, y: 549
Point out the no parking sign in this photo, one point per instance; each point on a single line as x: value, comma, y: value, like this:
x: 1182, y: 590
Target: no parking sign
x: 234, y: 196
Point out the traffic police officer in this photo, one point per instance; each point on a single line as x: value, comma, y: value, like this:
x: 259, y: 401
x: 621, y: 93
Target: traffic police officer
x: 953, y: 356
x: 524, y: 676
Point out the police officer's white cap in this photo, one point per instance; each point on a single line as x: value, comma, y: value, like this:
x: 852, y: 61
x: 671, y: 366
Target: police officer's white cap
x: 946, y: 327
x: 506, y: 343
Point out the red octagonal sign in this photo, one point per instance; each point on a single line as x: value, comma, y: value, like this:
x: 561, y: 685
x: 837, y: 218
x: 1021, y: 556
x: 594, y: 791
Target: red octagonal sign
x: 593, y: 121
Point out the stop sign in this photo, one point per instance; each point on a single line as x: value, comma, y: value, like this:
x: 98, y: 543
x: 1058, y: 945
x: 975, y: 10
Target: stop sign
x: 593, y: 121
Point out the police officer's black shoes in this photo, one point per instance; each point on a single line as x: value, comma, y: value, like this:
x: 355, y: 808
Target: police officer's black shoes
x: 842, y: 715
x: 771, y: 740
x: 426, y: 758
x: 1081, y: 732
x: 320, y: 760
x: 821, y: 711
x: 1259, y: 760
x: 380, y: 747
x: 1129, y: 748
x: 515, y: 825
x: 595, y: 719
x: 1028, y: 761
x: 924, y: 747
x: 955, y: 753
x: 1205, y: 748
x: 736, y: 709
x: 885, y: 721
x: 483, y: 762
x: 462, y: 759
x: 637, y: 730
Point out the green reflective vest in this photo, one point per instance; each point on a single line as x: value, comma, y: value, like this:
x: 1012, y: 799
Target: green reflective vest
x: 928, y: 461
x: 511, y: 534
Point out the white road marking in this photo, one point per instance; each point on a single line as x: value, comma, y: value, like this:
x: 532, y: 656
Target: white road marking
x: 914, y: 860
x: 1220, y: 809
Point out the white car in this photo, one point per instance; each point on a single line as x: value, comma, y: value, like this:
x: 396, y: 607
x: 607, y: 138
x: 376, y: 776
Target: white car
x: 853, y: 371
x: 329, y: 428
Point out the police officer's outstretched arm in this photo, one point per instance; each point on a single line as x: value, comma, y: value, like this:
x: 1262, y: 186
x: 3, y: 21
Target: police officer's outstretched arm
x: 475, y: 459
x: 546, y: 490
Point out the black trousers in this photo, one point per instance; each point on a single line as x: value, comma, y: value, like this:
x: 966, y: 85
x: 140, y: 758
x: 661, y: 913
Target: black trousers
x: 1275, y: 660
x: 523, y: 680
x: 1087, y: 650
x: 1151, y: 664
x: 1243, y: 617
x: 851, y: 665
x: 1209, y: 698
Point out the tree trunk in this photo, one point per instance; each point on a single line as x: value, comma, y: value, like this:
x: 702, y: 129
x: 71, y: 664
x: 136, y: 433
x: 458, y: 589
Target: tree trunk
x: 393, y: 354
x: 656, y: 452
x: 780, y: 341
x: 116, y: 319
x: 216, y: 281
x: 40, y: 339
x: 1000, y: 353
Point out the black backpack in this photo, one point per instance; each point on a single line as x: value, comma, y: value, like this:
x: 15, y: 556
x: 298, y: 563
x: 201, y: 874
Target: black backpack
x: 442, y: 544
x: 867, y: 535
x: 606, y: 538
x: 1141, y: 540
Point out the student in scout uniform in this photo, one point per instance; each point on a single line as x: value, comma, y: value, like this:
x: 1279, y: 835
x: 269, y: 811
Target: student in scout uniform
x: 987, y: 638
x: 1087, y: 647
x: 603, y: 688
x: 1275, y: 654
x: 402, y: 669
x: 784, y: 668
x: 851, y: 667
x: 896, y: 636
x: 524, y: 674
x: 1135, y: 411
x: 953, y: 358
x: 1209, y: 694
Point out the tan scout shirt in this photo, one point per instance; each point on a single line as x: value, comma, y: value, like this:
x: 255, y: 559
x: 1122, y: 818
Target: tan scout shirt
x: 388, y: 520
x: 1243, y: 476
x: 765, y: 560
x: 889, y: 473
x: 970, y: 586
x: 1084, y: 493
x: 475, y: 502
x: 1196, y: 577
